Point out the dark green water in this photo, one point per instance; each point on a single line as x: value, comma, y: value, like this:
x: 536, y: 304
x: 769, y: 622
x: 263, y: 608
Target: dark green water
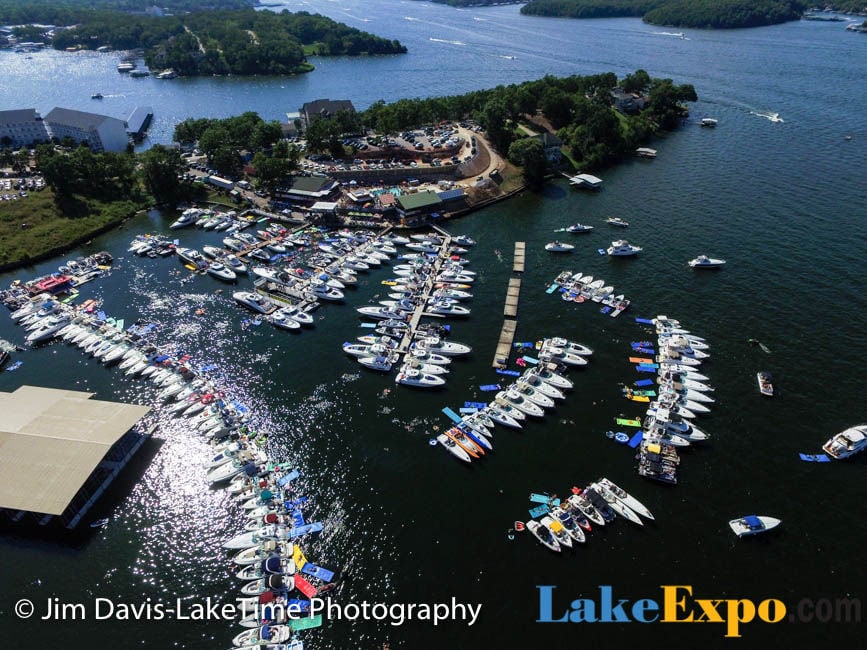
x: 783, y: 203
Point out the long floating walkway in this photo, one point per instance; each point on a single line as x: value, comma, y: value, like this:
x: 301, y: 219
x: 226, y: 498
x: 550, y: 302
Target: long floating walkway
x: 510, y: 311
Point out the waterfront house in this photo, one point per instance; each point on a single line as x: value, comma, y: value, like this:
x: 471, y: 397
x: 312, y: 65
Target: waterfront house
x: 99, y: 132
x: 307, y: 190
x: 410, y: 206
x: 628, y: 102
x: 552, y: 146
x: 324, y: 108
x: 22, y: 127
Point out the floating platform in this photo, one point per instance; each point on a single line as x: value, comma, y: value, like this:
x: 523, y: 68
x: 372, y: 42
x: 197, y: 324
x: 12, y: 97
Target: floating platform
x: 520, y: 251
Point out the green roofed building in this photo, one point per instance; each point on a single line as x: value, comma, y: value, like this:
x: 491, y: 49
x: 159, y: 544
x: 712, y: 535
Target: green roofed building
x: 413, y: 205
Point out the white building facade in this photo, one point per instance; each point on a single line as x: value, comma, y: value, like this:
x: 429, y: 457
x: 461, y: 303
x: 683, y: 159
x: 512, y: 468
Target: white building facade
x: 100, y: 132
x: 21, y: 128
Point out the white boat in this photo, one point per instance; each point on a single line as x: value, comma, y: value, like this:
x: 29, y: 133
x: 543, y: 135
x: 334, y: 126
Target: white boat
x: 282, y: 321
x: 505, y: 407
x: 753, y: 525
x: 559, y: 355
x: 622, y: 248
x: 190, y: 256
x: 254, y: 301
x: 382, y: 363
x: 48, y: 328
x: 567, y: 521
x: 321, y: 290
x: 265, y: 636
x: 234, y: 263
x: 579, y: 228
x: 550, y: 377
x: 847, y: 443
x: 500, y: 416
x: 413, y: 377
x: 558, y: 247
x: 583, y: 505
x: 624, y: 496
x: 464, y: 240
x: 188, y: 218
x: 426, y: 356
x: 544, y: 535
x: 709, y: 122
x: 766, y: 387
x: 705, y: 262
x: 617, y: 221
x: 524, y: 389
x: 616, y: 505
x: 293, y: 312
x: 446, y: 348
x: 569, y: 346
x: 557, y: 530
x: 540, y: 386
x: 379, y: 312
x: 515, y: 399
x: 222, y: 272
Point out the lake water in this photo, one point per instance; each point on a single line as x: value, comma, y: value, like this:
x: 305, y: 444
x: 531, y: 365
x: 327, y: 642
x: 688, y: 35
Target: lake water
x: 782, y: 202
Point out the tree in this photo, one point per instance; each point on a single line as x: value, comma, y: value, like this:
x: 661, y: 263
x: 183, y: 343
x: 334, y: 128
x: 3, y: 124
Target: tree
x: 557, y: 106
x: 270, y: 170
x: 530, y: 155
x: 265, y: 134
x: 160, y: 167
x: 637, y: 82
x: 493, y: 120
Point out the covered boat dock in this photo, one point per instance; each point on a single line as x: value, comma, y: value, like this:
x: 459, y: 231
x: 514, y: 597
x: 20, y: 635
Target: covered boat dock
x: 60, y: 450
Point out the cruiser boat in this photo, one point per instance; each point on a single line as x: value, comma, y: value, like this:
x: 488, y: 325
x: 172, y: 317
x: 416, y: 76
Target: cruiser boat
x: 617, y: 221
x: 254, y: 301
x: 579, y: 228
x: 540, y: 386
x: 264, y: 637
x: 709, y: 122
x: 295, y: 313
x: 379, y: 312
x: 705, y: 262
x: 188, y: 218
x: 444, y: 308
x: 464, y: 240
x: 500, y: 416
x: 383, y: 363
x: 48, y: 328
x: 753, y: 525
x: 222, y: 272
x: 544, y: 535
x: 446, y: 348
x: 558, y: 247
x: 847, y: 443
x: 622, y: 248
x: 626, y: 498
x: 413, y: 377
x: 515, y: 399
x: 321, y: 290
x: 506, y: 408
x: 426, y: 368
x: 528, y: 392
x: 560, y: 355
x: 549, y: 377
x: 284, y: 322
x: 569, y: 346
x: 426, y: 356
x: 190, y: 256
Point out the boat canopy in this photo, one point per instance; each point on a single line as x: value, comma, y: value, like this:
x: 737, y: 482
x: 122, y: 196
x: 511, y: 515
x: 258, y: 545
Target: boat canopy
x: 753, y: 522
x: 272, y: 565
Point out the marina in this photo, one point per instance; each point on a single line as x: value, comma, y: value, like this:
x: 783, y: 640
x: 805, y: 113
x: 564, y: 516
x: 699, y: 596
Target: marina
x: 363, y: 454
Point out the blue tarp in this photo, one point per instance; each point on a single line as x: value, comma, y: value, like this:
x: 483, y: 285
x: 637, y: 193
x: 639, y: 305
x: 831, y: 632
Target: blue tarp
x: 317, y: 572
x: 815, y: 458
x: 291, y: 476
x: 490, y: 387
x: 538, y: 511
x: 303, y: 530
x: 511, y: 373
x: 636, y: 439
x: 644, y: 321
x: 753, y: 522
x: 478, y: 405
x: 643, y: 382
x: 451, y: 414
x: 299, y: 605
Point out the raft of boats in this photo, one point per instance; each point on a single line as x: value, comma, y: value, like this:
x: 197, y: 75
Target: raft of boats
x: 579, y: 288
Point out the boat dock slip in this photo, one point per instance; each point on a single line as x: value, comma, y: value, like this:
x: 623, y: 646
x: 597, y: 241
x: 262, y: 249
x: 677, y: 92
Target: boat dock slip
x: 512, y: 294
x: 520, y: 250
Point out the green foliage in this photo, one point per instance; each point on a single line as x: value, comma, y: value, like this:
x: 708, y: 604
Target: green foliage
x: 80, y: 171
x: 160, y: 167
x: 679, y: 13
x: 529, y: 154
x: 70, y: 12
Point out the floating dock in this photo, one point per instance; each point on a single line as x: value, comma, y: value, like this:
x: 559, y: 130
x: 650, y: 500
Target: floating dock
x: 510, y: 310
x: 138, y: 122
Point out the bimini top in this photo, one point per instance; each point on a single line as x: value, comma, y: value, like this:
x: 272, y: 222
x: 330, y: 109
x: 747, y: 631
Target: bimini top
x: 51, y: 441
x: 753, y: 522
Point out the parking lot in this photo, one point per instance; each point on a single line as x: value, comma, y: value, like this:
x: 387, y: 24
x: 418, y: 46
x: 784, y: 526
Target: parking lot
x: 17, y: 188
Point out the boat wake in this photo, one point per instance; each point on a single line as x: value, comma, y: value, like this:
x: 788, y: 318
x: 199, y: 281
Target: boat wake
x: 508, y: 56
x: 772, y: 117
x: 410, y: 18
x: 672, y: 34
x: 442, y: 40
x: 481, y: 20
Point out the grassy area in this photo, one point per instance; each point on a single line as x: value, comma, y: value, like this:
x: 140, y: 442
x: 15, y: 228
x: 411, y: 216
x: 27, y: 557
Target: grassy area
x: 48, y: 230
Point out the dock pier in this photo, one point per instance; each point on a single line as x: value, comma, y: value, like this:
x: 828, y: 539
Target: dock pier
x: 510, y: 310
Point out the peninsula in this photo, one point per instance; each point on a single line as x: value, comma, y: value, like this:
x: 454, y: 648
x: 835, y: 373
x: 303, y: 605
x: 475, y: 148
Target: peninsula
x: 232, y: 41
x: 701, y: 14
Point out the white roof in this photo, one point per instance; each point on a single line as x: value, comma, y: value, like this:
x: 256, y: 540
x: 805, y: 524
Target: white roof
x: 324, y: 206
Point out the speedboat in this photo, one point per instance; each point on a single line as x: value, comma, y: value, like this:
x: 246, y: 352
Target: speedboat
x: 579, y: 228
x: 564, y: 517
x: 709, y: 122
x: 453, y: 447
x: 559, y: 355
x: 413, y: 377
x: 528, y: 392
x: 234, y: 263
x: 383, y: 363
x: 500, y: 416
x: 446, y: 348
x: 264, y: 637
x: 626, y: 498
x: 293, y: 312
x: 540, y: 386
x: 254, y: 301
x: 705, y: 262
x: 222, y: 272
x: 616, y: 504
x: 321, y: 290
x: 281, y: 320
x: 48, y: 328
x: 427, y: 368
x: 426, y: 356
x: 464, y: 240
x: 617, y: 221
x: 753, y: 525
x: 505, y: 407
x: 847, y: 443
x: 379, y: 312
x: 583, y: 505
x: 190, y: 255
x: 558, y: 247
x: 765, y: 386
x: 622, y: 248
x: 544, y: 535
x: 557, y: 530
